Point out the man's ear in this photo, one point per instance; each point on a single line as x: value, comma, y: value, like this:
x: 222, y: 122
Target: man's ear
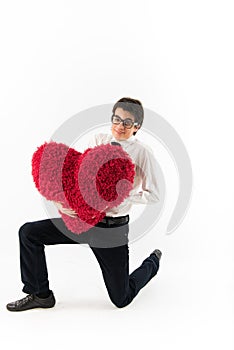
x: 137, y: 127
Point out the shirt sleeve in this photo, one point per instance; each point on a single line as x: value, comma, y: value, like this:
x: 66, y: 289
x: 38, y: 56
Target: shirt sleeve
x: 146, y: 172
x: 98, y: 139
x: 92, y: 141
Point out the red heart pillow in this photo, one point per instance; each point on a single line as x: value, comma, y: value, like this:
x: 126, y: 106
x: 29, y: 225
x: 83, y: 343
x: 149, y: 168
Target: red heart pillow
x: 88, y: 183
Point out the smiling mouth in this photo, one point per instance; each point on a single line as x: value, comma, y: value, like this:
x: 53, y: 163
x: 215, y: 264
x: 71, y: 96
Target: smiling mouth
x: 119, y: 132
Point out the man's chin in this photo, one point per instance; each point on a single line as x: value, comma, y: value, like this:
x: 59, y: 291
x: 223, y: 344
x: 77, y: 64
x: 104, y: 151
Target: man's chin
x: 119, y: 137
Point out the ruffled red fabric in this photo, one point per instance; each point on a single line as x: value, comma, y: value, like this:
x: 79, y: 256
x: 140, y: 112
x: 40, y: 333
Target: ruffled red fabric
x: 89, y: 183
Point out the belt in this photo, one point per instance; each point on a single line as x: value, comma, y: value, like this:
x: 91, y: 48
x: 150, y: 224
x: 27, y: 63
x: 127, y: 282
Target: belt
x: 111, y: 221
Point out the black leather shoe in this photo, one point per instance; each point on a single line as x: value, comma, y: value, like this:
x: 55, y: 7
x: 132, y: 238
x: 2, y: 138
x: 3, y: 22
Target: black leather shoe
x: 31, y: 301
x: 158, y: 253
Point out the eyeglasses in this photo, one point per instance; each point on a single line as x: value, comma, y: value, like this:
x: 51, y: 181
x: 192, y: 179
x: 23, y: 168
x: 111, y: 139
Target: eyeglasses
x: 127, y: 123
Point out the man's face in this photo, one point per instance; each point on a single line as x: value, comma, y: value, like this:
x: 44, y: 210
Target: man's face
x: 119, y: 131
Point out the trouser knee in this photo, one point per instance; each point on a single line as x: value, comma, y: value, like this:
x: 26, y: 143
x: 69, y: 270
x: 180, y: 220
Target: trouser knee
x: 120, y: 303
x: 25, y: 231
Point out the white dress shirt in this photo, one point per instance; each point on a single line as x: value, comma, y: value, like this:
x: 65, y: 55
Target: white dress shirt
x: 145, y: 188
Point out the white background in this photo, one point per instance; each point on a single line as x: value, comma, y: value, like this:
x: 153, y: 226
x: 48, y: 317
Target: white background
x: 61, y: 57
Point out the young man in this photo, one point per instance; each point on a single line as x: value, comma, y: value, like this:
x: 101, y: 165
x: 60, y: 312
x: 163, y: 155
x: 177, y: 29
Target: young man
x: 109, y: 238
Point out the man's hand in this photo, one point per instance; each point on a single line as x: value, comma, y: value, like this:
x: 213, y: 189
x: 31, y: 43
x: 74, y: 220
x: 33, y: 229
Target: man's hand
x: 66, y: 211
x: 101, y: 211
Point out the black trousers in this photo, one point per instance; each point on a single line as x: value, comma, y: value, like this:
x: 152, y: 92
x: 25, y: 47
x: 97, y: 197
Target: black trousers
x: 113, y: 259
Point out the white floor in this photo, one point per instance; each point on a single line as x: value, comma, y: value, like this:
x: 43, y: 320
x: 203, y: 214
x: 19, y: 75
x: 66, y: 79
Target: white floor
x: 188, y: 305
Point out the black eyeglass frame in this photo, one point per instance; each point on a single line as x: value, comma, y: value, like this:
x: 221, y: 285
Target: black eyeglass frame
x: 123, y: 121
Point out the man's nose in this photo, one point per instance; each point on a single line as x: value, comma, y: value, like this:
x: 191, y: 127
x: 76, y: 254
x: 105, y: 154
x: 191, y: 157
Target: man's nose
x: 120, y: 125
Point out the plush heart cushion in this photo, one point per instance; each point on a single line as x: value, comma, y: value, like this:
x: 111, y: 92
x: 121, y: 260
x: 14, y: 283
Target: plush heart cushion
x: 88, y: 182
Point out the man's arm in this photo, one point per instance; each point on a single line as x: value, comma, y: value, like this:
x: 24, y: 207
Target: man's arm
x: 146, y: 169
x: 66, y: 211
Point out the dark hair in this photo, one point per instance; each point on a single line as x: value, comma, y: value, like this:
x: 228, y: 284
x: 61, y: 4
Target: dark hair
x: 133, y: 106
